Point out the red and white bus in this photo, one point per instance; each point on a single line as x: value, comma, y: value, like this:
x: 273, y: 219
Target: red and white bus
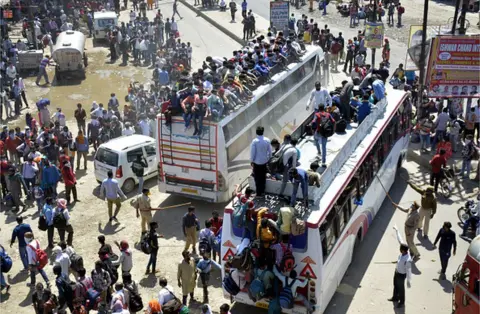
x: 345, y: 204
x: 209, y: 166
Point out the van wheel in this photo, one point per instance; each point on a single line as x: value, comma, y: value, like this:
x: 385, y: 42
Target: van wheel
x: 128, y: 186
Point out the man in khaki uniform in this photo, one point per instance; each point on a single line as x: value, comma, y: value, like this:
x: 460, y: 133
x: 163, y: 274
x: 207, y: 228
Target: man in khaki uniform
x: 144, y: 209
x: 410, y: 224
x: 190, y: 225
x: 428, y: 207
x: 187, y: 276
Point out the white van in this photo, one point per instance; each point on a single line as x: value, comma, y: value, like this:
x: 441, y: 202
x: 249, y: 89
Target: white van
x: 102, y: 22
x: 118, y: 154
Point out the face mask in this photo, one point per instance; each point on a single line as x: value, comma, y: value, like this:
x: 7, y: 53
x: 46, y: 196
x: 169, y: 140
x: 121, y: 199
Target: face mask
x: 28, y: 240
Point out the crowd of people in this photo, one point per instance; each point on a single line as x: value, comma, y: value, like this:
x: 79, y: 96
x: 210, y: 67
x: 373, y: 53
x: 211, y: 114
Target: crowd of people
x: 42, y: 155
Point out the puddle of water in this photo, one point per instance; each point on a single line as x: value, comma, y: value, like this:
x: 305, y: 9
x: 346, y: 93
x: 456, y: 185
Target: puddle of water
x: 102, y: 78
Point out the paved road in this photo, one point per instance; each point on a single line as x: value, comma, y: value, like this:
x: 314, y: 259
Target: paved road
x: 398, y: 49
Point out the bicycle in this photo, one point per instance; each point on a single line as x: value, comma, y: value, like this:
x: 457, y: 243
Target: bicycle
x: 459, y: 23
x: 448, y: 176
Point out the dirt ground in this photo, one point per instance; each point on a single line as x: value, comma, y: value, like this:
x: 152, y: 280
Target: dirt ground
x: 89, y: 216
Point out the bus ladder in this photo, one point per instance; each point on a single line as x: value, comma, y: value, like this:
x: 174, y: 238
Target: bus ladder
x: 170, y: 141
x: 209, y: 158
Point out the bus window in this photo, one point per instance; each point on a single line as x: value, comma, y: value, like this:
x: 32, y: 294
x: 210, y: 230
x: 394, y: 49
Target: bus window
x: 328, y: 233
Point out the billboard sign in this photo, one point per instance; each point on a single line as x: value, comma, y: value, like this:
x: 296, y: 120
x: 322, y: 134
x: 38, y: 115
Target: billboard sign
x: 279, y: 14
x: 454, y: 67
x: 374, y: 35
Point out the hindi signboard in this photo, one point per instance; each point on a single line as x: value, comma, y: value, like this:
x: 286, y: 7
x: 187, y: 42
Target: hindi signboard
x: 374, y: 35
x: 454, y: 67
x: 279, y: 14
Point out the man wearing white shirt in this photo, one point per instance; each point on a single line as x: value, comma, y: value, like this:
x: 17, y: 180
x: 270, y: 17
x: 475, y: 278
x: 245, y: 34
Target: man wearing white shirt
x: 112, y: 192
x: 289, y: 160
x: 11, y: 72
x: 62, y: 259
x: 133, y: 16
x: 403, y: 271
x: 21, y: 85
x: 166, y: 293
x: 319, y: 96
x: 145, y: 126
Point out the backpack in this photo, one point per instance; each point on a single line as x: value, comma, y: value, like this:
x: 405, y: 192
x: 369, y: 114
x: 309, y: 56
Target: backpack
x: 40, y: 256
x: 401, y: 10
x: 204, y: 246
x: 173, y: 306
x: 298, y: 227
x: 76, y: 262
x: 325, y: 125
x: 136, y: 302
x: 243, y: 261
x: 257, y: 288
x: 230, y: 285
x: 240, y: 215
x: 145, y: 243
x: 287, y: 263
x: 286, y: 295
x: 42, y: 223
x: 5, y: 261
x: 59, y: 221
x: 92, y: 298
x: 341, y: 126
x: 275, y: 164
x: 112, y: 271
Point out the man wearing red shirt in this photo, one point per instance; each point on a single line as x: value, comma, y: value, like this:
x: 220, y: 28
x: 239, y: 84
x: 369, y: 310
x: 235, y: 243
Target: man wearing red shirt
x: 70, y: 181
x: 438, y: 161
x: 12, y: 142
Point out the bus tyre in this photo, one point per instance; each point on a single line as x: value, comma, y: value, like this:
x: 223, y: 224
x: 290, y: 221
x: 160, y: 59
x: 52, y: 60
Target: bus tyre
x: 358, y: 239
x: 128, y: 186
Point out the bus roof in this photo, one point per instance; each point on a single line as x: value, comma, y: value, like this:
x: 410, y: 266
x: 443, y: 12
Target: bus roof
x: 277, y: 78
x: 345, y: 153
x: 474, y: 248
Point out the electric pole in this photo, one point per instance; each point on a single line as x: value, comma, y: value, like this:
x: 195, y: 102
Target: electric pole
x: 422, y: 54
x: 373, y: 19
x: 463, y: 15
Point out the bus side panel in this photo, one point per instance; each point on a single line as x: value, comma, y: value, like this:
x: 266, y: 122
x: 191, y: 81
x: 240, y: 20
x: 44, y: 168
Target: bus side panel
x: 342, y: 254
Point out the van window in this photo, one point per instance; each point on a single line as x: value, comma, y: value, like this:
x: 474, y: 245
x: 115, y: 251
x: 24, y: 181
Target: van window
x: 150, y: 150
x: 132, y: 155
x: 105, y: 22
x: 107, y: 157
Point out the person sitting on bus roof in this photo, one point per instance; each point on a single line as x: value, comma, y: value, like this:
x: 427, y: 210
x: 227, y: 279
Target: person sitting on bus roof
x: 313, y: 175
x: 297, y: 283
x: 200, y: 111
x: 378, y: 90
x: 264, y: 233
x: 187, y: 106
x: 215, y: 104
x: 364, y: 109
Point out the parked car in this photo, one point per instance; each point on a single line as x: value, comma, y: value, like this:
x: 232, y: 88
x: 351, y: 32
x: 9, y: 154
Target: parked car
x: 118, y: 154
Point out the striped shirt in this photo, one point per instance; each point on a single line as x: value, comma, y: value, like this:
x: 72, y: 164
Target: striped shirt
x: 44, y: 62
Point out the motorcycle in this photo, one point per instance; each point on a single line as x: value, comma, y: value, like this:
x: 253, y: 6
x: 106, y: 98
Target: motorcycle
x: 464, y: 213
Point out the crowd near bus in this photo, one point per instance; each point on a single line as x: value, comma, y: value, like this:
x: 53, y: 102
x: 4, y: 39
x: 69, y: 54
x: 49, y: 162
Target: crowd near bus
x: 263, y: 114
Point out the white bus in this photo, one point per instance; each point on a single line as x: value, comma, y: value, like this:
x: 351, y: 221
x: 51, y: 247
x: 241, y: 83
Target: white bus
x: 207, y: 167
x: 344, y: 205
